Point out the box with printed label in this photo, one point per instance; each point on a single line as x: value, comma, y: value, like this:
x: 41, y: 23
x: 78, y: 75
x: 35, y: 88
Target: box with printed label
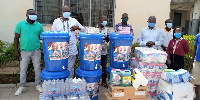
x: 107, y: 96
x: 119, y: 92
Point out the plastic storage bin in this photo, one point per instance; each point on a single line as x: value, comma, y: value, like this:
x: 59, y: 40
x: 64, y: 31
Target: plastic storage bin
x: 46, y: 75
x: 120, y: 48
x: 93, y: 80
x: 90, y: 50
x: 55, y: 48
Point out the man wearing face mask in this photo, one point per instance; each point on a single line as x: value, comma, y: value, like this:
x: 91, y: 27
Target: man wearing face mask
x: 167, y: 34
x: 124, y: 23
x: 105, y: 31
x: 68, y: 24
x: 150, y: 36
x: 28, y: 31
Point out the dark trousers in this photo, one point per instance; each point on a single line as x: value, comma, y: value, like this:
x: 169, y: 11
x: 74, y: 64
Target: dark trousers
x: 177, y: 62
x: 103, y: 64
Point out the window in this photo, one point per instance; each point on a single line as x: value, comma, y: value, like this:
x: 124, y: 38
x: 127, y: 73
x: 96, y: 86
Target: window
x: 48, y: 10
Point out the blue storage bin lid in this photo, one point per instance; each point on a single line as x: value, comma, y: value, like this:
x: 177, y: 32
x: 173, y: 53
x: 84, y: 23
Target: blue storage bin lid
x: 54, y: 34
x: 54, y: 75
x: 84, y: 35
x: 116, y: 35
x: 85, y: 73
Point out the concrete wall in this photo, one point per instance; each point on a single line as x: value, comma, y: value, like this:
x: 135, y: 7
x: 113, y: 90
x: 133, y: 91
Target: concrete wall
x: 12, y: 11
x: 140, y: 10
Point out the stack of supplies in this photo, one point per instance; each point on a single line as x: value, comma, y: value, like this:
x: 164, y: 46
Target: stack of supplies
x: 175, y: 85
x: 150, y: 63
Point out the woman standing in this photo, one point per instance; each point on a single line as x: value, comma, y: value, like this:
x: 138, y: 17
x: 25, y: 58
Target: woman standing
x: 176, y: 50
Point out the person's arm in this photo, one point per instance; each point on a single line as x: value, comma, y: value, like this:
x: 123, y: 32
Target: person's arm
x: 78, y: 26
x: 194, y: 51
x: 116, y: 28
x: 16, y: 40
x: 54, y: 26
x: 16, y: 45
x: 159, y: 40
x: 140, y: 40
x: 41, y: 30
x: 186, y: 47
x: 168, y: 53
x: 131, y: 30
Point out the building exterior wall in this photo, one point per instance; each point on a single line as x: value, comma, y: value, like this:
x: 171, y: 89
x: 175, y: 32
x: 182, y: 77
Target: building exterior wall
x: 12, y: 11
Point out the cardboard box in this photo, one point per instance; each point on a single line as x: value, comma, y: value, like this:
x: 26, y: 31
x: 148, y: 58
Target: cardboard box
x: 120, y: 92
x: 107, y: 96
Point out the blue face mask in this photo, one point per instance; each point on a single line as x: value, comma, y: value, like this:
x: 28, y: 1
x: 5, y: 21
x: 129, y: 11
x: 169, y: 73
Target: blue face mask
x: 152, y: 24
x: 32, y: 17
x: 169, y: 25
x: 177, y: 35
x: 104, y: 23
x: 66, y: 14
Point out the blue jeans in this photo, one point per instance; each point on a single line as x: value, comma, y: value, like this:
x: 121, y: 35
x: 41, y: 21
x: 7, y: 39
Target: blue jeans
x: 25, y: 59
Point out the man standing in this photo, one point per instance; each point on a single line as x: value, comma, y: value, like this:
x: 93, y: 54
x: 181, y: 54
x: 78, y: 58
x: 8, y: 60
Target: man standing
x: 167, y: 34
x: 104, y: 53
x: 28, y: 31
x: 150, y: 36
x: 124, y: 23
x: 196, y: 65
x: 68, y: 24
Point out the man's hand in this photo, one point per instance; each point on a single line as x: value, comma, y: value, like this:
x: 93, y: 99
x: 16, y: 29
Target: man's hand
x: 150, y: 44
x: 163, y: 47
x: 73, y: 28
x: 17, y: 54
x: 107, y: 39
x: 168, y: 62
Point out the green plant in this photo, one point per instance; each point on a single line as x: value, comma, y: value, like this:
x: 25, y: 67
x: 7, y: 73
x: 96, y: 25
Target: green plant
x: 133, y: 48
x: 187, y: 57
x: 1, y: 46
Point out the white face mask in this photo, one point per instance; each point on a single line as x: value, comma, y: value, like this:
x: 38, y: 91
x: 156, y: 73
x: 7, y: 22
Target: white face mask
x: 32, y: 17
x: 66, y: 14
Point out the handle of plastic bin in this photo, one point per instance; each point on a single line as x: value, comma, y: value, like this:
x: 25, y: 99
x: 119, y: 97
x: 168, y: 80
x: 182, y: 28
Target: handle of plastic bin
x: 118, y: 70
x: 126, y: 70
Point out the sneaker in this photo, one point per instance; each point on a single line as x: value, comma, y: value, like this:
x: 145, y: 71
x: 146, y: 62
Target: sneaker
x: 39, y: 88
x: 20, y: 90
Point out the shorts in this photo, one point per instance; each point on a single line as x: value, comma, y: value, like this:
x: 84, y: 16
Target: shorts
x: 196, y: 72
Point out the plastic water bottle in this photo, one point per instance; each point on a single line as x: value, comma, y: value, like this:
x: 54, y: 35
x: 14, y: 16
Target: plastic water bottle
x: 44, y: 91
x: 62, y: 88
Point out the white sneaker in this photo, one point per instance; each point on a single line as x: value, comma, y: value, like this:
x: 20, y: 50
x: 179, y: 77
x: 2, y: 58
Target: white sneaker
x: 20, y: 90
x: 39, y: 88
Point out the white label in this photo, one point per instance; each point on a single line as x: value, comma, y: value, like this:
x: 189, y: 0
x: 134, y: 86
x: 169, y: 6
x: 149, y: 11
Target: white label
x: 140, y: 93
x: 120, y: 94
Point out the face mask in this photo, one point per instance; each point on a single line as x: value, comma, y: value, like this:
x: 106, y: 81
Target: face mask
x: 169, y: 25
x: 32, y: 17
x: 177, y: 35
x: 152, y: 24
x: 124, y: 20
x: 66, y: 14
x: 104, y: 23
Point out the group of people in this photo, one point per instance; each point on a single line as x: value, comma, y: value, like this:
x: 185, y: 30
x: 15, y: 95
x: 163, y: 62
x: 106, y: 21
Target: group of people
x: 167, y: 39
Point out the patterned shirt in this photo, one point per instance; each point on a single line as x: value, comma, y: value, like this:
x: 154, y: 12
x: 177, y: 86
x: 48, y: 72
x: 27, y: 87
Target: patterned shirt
x: 120, y: 25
